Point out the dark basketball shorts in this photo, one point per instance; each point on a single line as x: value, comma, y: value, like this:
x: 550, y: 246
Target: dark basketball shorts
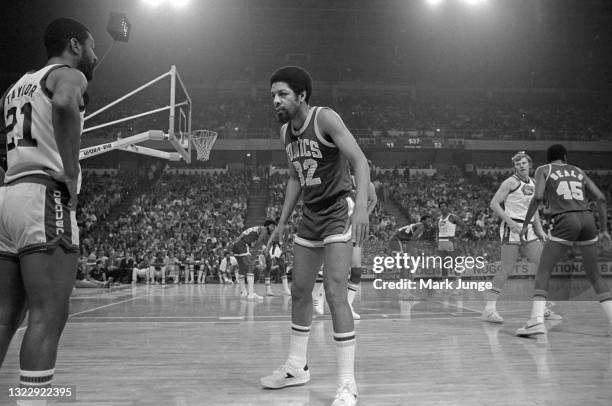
x: 574, y: 227
x: 240, y: 251
x: 245, y: 263
x: 327, y: 225
x: 35, y: 216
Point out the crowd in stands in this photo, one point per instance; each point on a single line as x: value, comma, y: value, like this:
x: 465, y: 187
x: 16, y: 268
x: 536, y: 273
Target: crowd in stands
x: 395, y: 116
x: 190, y: 220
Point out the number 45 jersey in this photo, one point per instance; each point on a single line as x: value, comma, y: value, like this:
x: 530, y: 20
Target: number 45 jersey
x: 31, y: 146
x: 322, y: 169
x: 565, y: 190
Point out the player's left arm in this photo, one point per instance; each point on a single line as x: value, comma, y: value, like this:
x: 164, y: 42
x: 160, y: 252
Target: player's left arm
x: 262, y: 240
x: 455, y: 219
x: 536, y: 200
x: 372, y: 198
x: 331, y: 124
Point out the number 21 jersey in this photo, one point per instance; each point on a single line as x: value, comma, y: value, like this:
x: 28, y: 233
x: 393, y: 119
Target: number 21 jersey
x: 565, y: 189
x: 31, y: 146
x: 321, y: 168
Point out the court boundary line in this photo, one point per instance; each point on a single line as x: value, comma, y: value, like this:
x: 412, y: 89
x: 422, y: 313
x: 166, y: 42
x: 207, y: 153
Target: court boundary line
x: 258, y: 321
x: 96, y: 308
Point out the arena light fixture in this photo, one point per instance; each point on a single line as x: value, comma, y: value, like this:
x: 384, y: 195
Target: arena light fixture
x: 179, y: 3
x: 475, y: 2
x: 434, y: 2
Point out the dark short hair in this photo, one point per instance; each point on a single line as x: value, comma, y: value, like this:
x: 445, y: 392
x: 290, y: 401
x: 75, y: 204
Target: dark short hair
x: 556, y: 152
x: 298, y: 79
x: 425, y: 217
x: 59, y: 32
x: 269, y: 222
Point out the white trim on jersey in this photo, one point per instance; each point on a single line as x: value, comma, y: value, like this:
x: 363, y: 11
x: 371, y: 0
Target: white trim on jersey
x: 320, y: 137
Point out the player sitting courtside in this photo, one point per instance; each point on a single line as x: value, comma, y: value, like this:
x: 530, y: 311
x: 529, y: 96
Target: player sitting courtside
x: 319, y: 148
x: 564, y: 188
x: 514, y: 193
x: 42, y: 115
x: 226, y: 268
x: 256, y: 236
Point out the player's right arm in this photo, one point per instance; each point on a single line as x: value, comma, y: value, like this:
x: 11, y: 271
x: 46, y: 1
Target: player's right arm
x: 500, y: 197
x: 602, y: 209
x: 68, y: 86
x: 536, y: 200
x: 292, y: 195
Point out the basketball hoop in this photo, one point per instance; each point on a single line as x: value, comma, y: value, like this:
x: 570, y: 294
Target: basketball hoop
x: 203, y: 141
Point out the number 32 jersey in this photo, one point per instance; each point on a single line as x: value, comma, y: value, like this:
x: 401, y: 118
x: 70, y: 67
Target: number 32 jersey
x: 322, y: 169
x: 31, y: 146
x: 565, y: 190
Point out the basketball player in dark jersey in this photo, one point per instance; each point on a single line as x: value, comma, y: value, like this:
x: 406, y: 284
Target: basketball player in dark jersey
x: 42, y: 117
x: 410, y: 232
x: 257, y: 236
x: 564, y: 187
x: 319, y: 148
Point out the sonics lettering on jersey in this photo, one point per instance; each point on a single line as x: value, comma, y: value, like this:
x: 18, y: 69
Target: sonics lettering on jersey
x: 59, y: 212
x: 22, y: 91
x: 565, y: 174
x: 303, y: 148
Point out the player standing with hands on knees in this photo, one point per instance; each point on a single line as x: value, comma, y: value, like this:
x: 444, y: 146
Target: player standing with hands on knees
x: 320, y: 150
x: 42, y: 117
x: 564, y: 188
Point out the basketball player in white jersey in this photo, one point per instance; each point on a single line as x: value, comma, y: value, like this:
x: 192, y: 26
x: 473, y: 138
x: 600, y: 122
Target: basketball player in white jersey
x: 42, y: 117
x: 447, y: 231
x: 515, y: 194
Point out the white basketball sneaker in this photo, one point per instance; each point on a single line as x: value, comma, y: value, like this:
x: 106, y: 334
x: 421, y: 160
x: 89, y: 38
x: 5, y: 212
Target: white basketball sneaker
x: 286, y: 376
x: 346, y: 394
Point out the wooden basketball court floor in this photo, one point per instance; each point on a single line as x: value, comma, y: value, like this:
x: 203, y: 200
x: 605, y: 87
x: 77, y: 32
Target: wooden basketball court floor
x: 189, y: 345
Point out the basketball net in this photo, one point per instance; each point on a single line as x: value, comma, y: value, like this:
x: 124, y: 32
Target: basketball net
x: 203, y: 141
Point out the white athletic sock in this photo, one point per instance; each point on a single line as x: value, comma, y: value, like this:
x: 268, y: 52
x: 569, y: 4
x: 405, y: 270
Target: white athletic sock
x: 538, y: 308
x: 351, y: 292
x: 607, y: 307
x: 250, y: 283
x: 285, y: 283
x: 35, y: 379
x: 491, y: 305
x: 298, y: 346
x: 32, y: 402
x: 318, y: 289
x: 32, y: 379
x: 345, y: 354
